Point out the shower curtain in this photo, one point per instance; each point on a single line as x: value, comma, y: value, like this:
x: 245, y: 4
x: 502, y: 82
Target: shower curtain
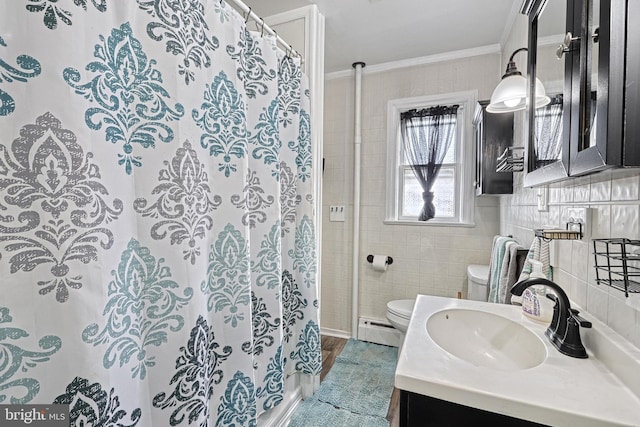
x: 157, y: 243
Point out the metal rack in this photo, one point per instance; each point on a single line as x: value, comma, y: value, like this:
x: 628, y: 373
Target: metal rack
x: 509, y: 162
x: 618, y: 260
x: 569, y: 234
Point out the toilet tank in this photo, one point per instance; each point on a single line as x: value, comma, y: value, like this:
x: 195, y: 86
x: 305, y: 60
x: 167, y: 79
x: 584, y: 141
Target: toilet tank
x: 477, y: 277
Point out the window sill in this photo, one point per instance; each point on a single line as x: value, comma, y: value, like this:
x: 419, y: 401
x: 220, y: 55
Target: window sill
x: 431, y: 223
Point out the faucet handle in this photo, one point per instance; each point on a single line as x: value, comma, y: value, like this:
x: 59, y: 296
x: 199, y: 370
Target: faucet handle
x: 581, y: 321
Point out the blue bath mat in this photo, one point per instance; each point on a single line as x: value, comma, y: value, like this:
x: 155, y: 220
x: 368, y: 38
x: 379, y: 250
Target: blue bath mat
x: 314, y: 413
x: 356, y: 391
x: 366, y: 353
x: 363, y: 389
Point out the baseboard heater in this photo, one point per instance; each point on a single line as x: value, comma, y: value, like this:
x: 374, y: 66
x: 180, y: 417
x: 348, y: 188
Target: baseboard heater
x: 378, y: 332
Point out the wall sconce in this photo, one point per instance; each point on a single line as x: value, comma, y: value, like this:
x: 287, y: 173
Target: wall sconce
x: 511, y: 93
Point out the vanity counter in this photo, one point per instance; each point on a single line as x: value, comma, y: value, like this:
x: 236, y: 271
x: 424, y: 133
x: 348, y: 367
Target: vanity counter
x: 560, y: 391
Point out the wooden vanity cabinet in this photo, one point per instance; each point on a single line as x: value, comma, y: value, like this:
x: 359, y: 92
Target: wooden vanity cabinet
x: 417, y: 410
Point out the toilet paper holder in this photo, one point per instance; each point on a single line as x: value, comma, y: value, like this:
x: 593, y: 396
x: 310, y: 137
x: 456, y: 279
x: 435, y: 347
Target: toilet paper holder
x: 389, y: 259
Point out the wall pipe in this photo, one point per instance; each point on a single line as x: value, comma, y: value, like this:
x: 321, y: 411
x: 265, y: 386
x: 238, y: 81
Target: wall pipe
x: 356, y: 196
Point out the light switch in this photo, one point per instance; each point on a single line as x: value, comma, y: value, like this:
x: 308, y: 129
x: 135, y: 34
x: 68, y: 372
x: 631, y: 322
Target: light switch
x: 337, y: 213
x: 543, y: 199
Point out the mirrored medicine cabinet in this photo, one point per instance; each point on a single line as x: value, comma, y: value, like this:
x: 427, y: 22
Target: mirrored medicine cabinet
x: 547, y: 156
x: 582, y: 52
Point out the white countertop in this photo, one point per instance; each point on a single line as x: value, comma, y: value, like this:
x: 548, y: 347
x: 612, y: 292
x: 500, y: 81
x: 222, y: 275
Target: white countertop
x: 561, y: 391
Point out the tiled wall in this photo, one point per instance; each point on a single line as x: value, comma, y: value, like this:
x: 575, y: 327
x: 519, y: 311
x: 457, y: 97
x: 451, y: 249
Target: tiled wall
x: 427, y: 259
x: 613, y: 202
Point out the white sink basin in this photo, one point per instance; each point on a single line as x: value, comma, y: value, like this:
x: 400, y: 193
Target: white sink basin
x: 486, y: 339
x: 482, y: 355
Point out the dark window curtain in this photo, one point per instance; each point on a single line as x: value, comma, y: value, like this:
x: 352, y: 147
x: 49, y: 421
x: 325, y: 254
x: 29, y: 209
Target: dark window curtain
x: 548, y: 132
x: 426, y: 137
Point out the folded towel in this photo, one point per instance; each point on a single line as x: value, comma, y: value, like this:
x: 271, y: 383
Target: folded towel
x: 539, y: 251
x: 509, y: 272
x: 498, y: 252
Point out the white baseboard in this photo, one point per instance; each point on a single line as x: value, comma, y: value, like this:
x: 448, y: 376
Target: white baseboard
x: 335, y: 333
x: 372, y: 330
x: 378, y: 331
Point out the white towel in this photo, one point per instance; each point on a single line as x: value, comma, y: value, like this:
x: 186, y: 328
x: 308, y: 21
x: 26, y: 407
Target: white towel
x: 539, y: 251
x: 498, y: 252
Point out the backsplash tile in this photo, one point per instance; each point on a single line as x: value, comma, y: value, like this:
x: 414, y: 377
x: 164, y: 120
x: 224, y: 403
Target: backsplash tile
x: 566, y: 194
x: 613, y: 202
x: 580, y: 258
x: 598, y: 303
x: 600, y: 191
x: 626, y: 188
x: 622, y: 318
x: 624, y: 221
x: 581, y: 193
x: 579, y: 291
x: 601, y: 222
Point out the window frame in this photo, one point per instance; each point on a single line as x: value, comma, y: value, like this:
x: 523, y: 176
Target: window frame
x: 465, y: 155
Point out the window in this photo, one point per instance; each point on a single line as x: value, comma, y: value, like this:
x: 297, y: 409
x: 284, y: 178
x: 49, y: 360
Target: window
x: 453, y: 187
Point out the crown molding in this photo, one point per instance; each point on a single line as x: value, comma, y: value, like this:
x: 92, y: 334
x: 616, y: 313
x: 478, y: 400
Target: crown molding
x: 405, y: 63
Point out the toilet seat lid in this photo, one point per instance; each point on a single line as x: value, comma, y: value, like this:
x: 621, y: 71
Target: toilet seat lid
x: 401, y: 308
x: 478, y: 273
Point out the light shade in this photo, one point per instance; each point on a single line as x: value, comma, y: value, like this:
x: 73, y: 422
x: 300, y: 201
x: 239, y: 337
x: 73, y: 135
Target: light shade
x: 511, y: 93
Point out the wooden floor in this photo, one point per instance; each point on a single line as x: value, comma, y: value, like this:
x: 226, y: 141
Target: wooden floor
x: 331, y: 347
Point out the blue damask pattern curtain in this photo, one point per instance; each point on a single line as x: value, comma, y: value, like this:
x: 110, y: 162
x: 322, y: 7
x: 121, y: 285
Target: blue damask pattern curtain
x: 157, y: 230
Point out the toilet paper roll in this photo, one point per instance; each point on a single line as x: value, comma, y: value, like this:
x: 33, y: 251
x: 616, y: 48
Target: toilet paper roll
x: 379, y: 263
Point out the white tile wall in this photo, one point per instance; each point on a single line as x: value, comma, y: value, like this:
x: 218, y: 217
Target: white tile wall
x: 613, y: 200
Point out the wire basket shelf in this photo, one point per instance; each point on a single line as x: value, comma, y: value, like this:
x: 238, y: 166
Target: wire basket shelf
x: 511, y: 160
x: 617, y: 264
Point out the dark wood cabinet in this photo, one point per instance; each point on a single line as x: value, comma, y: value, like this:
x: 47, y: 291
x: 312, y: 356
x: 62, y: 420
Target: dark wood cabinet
x: 494, y: 135
x: 417, y: 410
x: 598, y: 88
x: 600, y: 50
x: 631, y: 120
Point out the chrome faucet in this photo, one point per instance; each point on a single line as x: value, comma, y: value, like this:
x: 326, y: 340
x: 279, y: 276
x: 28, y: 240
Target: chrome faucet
x: 564, y: 329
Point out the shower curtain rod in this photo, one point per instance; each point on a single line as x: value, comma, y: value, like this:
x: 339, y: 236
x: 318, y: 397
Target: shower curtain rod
x: 248, y: 13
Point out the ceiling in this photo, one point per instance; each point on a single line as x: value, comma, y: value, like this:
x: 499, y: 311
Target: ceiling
x: 380, y: 31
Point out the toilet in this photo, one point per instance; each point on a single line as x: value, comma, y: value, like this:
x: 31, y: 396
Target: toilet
x: 399, y: 314
x: 477, y: 277
x: 399, y: 311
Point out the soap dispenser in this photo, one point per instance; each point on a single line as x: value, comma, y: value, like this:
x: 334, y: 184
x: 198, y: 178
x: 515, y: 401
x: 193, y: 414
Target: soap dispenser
x: 535, y: 304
